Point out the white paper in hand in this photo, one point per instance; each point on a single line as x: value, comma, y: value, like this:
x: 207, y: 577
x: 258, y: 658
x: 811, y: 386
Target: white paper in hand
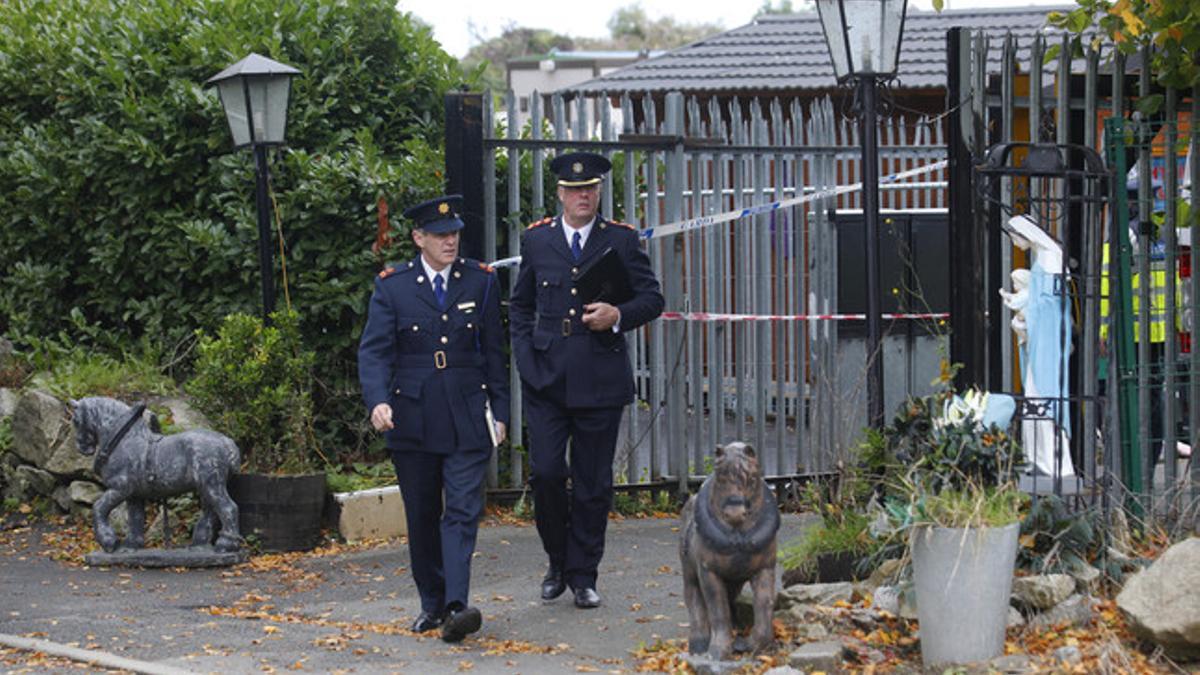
x: 490, y: 421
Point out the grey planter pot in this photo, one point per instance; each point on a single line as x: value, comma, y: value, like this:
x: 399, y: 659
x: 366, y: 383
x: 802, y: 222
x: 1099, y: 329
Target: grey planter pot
x: 963, y: 580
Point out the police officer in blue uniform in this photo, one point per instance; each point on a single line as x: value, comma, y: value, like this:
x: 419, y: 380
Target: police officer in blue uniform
x: 431, y: 362
x: 575, y: 371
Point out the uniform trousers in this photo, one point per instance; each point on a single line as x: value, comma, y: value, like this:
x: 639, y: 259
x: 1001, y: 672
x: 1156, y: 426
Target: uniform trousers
x: 571, y: 523
x: 441, y: 533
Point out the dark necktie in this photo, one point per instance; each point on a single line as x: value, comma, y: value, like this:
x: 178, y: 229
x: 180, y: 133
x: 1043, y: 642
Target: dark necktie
x: 439, y: 290
x: 576, y: 249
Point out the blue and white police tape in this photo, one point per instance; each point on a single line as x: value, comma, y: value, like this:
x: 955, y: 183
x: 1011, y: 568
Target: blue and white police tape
x: 704, y: 221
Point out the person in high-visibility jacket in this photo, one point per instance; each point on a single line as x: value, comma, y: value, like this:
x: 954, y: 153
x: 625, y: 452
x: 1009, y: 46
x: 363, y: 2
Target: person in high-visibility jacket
x: 1157, y: 330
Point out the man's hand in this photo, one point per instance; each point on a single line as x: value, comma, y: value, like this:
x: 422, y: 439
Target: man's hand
x: 501, y: 432
x: 600, y: 316
x: 381, y: 417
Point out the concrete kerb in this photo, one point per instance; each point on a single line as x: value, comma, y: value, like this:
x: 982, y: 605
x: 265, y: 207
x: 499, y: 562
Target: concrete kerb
x: 89, y: 656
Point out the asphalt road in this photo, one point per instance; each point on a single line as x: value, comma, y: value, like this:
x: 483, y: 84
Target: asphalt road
x: 349, y: 611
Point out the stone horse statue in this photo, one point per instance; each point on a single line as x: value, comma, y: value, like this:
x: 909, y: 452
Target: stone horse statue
x: 136, y: 463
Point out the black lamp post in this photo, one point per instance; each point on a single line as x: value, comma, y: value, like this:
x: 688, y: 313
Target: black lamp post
x: 254, y: 93
x: 864, y: 43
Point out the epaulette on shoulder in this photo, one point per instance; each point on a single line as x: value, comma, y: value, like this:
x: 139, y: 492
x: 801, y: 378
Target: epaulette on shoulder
x: 624, y: 225
x: 475, y: 265
x: 395, y: 269
x: 541, y: 222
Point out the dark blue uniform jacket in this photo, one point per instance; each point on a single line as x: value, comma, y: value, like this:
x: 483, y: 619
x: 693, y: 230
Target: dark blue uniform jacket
x: 436, y: 366
x: 553, y: 348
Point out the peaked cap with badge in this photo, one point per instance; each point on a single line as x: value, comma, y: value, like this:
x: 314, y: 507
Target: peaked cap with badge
x: 437, y: 216
x: 578, y: 169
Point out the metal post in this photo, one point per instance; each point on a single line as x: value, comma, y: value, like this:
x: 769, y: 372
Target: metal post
x: 464, y: 169
x: 266, y: 265
x: 870, y: 193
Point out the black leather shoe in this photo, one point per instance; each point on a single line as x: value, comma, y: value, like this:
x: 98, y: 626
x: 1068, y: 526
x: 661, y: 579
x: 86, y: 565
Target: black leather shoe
x: 460, y: 623
x: 426, y: 622
x: 553, y: 584
x: 587, y: 598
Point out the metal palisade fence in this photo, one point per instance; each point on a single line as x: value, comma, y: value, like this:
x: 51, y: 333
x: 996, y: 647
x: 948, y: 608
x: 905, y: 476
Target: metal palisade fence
x: 1126, y: 229
x: 740, y: 204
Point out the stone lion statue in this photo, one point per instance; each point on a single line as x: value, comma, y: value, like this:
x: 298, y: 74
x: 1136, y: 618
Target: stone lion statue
x: 135, y: 464
x: 728, y: 539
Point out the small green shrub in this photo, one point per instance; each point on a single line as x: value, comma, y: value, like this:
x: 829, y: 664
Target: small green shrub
x: 848, y: 534
x: 639, y: 503
x: 254, y: 384
x: 360, y: 476
x: 80, y: 372
x: 1055, y: 538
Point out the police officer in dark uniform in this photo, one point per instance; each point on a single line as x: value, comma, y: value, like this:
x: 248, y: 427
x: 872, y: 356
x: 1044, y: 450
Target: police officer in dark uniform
x: 433, y: 368
x: 575, y: 371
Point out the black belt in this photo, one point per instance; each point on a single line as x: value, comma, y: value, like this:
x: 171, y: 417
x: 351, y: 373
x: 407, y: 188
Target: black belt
x: 441, y: 359
x: 564, y: 326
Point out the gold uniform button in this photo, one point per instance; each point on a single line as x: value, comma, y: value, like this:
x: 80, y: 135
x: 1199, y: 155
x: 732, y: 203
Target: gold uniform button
x: 545, y: 283
x: 420, y: 280
x: 574, y: 292
x: 571, y: 311
x: 470, y: 326
x: 458, y: 275
x: 445, y: 317
x: 574, y: 270
x: 483, y: 386
x: 416, y: 328
x: 445, y: 339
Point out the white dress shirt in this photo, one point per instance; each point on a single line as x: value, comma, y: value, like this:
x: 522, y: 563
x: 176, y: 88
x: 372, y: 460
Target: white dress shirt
x: 430, y: 274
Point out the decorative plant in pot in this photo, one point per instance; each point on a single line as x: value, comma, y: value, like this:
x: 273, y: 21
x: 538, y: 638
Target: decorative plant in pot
x: 957, y: 500
x: 254, y: 383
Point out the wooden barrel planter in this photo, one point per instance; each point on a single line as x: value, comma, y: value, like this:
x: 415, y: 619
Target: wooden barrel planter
x: 282, y: 513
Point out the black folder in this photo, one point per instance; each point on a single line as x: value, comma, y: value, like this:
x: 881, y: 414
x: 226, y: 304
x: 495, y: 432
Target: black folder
x: 605, y: 279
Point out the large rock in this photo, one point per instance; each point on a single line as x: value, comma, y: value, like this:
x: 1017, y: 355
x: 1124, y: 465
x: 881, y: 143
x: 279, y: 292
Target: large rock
x: 183, y: 416
x: 8, y: 402
x: 38, y: 481
x: 817, y: 656
x: 814, y: 594
x: 43, y: 436
x: 1162, y: 604
x: 84, y: 492
x: 1076, y: 610
x: 1042, y: 591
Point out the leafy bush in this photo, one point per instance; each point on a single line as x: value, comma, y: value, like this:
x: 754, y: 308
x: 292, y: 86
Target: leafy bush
x: 254, y: 384
x: 124, y: 208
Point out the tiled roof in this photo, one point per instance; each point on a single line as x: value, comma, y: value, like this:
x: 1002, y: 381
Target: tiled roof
x: 788, y: 53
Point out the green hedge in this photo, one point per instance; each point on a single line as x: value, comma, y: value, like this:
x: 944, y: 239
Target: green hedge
x: 122, y: 204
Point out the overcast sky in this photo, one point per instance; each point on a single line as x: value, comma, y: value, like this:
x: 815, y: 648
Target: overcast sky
x: 453, y: 20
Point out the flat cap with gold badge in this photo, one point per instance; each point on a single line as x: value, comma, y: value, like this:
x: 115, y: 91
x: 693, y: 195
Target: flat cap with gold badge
x: 577, y: 169
x: 437, y: 215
